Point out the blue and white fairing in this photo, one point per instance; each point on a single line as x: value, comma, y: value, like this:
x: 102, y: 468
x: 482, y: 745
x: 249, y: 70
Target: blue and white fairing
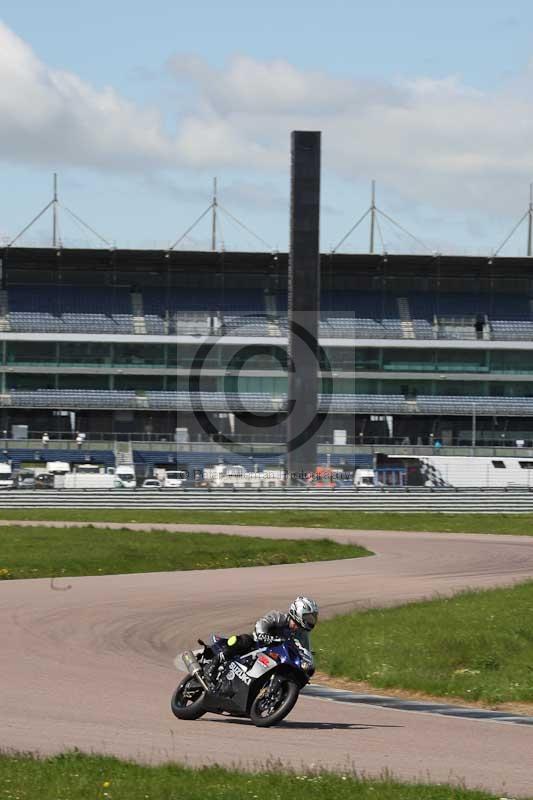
x: 294, y: 654
x: 244, y: 673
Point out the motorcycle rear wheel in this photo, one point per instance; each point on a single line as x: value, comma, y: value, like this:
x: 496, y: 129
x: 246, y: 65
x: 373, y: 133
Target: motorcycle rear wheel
x: 186, y: 702
x: 265, y: 712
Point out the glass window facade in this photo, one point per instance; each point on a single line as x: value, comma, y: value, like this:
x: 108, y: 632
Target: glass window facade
x: 263, y: 357
x: 83, y: 381
x: 511, y: 361
x: 462, y: 360
x: 367, y: 358
x: 20, y: 380
x: 244, y: 384
x: 404, y: 360
x: 118, y: 366
x: 146, y: 355
x: 31, y: 352
x: 84, y: 353
x: 182, y: 356
x: 140, y: 383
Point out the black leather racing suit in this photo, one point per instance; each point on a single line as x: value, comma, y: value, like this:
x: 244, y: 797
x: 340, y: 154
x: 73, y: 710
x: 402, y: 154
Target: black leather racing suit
x: 273, y: 627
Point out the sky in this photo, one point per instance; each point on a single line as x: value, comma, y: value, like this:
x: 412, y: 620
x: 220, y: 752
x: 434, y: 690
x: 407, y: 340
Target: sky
x: 138, y: 106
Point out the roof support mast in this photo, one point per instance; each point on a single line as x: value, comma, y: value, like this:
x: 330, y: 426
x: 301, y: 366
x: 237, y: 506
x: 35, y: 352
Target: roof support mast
x: 54, y: 213
x: 214, y: 207
x: 530, y: 222
x: 55, y: 205
x: 375, y: 213
x: 528, y: 214
x: 372, y: 217
x: 214, y: 217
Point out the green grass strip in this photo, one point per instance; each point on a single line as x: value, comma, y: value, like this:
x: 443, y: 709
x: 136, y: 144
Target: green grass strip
x: 477, y: 645
x: 517, y: 524
x: 36, y: 552
x: 79, y: 777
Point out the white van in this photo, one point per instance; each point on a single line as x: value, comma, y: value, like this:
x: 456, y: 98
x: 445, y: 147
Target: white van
x: 174, y: 478
x: 364, y: 478
x: 125, y: 473
x: 6, y: 475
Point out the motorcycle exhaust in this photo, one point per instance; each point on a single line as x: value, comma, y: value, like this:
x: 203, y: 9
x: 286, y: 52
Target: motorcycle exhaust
x: 191, y: 662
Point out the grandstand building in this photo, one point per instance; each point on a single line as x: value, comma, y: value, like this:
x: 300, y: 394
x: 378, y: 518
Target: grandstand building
x: 133, y: 345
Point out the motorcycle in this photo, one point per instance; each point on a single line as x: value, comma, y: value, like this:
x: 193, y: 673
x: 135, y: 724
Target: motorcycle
x: 262, y: 685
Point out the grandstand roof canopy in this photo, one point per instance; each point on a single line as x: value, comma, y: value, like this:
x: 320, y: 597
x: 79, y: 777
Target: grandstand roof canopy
x: 46, y: 263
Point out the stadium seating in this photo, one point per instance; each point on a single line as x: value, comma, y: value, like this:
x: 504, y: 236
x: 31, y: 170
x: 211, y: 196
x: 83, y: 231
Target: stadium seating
x: 73, y: 398
x: 85, y: 309
x: 512, y: 329
x: 158, y: 400
x: 249, y: 312
x: 197, y: 311
x: 265, y: 403
x: 213, y: 401
x: 134, y: 321
x: 506, y: 406
x: 352, y: 315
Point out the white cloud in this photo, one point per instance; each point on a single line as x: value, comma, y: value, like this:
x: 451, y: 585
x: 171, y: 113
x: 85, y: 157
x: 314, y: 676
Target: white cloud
x: 430, y: 142
x: 438, y: 142
x: 51, y: 116
x: 249, y: 86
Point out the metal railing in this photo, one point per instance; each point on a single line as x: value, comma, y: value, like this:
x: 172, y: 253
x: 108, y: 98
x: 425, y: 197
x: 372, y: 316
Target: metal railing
x: 250, y: 444
x: 438, y: 500
x: 424, y: 444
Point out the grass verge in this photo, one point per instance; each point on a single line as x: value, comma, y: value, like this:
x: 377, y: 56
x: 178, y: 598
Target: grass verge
x: 35, y: 552
x: 476, y: 645
x: 517, y: 524
x: 80, y: 777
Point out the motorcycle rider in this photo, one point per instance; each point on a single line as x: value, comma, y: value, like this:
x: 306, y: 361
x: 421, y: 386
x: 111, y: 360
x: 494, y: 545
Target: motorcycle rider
x: 272, y: 628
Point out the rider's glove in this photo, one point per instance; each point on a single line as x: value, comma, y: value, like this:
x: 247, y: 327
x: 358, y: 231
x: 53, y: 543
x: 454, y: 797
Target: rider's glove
x: 267, y: 638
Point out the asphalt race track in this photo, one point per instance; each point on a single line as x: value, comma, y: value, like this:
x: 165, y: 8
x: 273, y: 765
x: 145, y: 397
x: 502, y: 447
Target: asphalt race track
x: 87, y: 662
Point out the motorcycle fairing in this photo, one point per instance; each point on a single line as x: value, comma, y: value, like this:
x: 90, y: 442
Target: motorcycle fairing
x: 254, y: 666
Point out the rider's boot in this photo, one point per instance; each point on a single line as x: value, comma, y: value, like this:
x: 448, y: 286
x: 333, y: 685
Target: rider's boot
x: 216, y: 680
x: 212, y: 670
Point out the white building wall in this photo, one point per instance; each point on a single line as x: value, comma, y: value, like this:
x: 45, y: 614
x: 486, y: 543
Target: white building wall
x: 464, y: 471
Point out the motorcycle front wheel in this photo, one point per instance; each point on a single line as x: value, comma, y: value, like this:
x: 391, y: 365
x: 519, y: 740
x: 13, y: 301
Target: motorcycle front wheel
x: 187, y: 700
x: 274, y: 701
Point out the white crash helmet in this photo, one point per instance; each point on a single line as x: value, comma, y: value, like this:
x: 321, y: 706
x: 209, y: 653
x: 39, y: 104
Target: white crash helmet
x: 304, y: 612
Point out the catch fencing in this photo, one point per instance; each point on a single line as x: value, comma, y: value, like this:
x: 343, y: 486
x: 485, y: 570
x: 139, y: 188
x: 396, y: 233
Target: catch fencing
x: 479, y: 501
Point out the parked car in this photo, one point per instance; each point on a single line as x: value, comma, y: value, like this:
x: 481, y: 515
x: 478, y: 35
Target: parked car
x: 45, y: 480
x: 25, y: 480
x: 152, y: 483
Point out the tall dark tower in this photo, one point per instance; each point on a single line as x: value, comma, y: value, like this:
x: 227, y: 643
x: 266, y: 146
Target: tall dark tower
x: 304, y: 303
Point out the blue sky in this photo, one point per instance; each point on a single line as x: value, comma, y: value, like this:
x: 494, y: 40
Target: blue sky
x: 137, y: 106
